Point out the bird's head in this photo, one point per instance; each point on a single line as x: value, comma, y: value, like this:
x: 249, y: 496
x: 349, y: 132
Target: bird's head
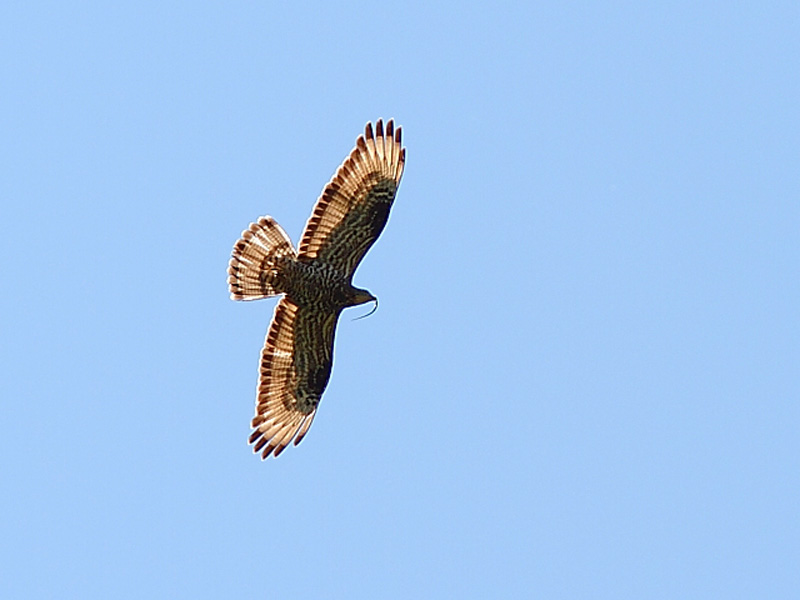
x: 358, y: 296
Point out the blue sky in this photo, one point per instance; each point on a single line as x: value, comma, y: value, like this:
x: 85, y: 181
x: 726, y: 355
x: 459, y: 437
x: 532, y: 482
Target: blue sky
x: 582, y: 380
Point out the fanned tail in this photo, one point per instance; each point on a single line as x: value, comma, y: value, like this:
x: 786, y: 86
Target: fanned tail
x: 258, y: 260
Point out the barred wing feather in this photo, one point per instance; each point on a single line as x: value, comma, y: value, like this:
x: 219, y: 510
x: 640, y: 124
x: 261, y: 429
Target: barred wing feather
x: 296, y: 364
x: 354, y: 207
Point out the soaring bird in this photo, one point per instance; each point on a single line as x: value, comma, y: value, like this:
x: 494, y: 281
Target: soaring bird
x: 316, y: 283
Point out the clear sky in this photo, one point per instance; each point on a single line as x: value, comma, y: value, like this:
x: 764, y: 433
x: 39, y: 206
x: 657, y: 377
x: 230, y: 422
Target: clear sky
x: 583, y: 377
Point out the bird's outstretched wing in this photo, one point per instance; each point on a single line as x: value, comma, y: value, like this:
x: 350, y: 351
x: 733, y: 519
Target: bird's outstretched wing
x: 296, y: 363
x: 354, y: 206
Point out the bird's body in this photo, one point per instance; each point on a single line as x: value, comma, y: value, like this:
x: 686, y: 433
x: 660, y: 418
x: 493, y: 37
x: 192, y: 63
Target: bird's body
x: 318, y: 286
x: 316, y: 281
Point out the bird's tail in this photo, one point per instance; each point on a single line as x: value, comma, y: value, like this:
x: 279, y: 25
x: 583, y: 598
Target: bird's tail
x: 258, y: 261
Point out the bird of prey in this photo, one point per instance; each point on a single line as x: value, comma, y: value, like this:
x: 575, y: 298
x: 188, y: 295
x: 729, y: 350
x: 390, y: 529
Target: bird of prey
x: 316, y: 283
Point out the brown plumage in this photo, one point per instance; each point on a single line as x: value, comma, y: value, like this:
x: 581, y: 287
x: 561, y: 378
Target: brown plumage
x: 316, y: 282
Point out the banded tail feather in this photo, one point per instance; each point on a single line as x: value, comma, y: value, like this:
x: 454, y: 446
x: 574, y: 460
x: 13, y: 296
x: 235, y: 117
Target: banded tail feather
x: 258, y: 260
